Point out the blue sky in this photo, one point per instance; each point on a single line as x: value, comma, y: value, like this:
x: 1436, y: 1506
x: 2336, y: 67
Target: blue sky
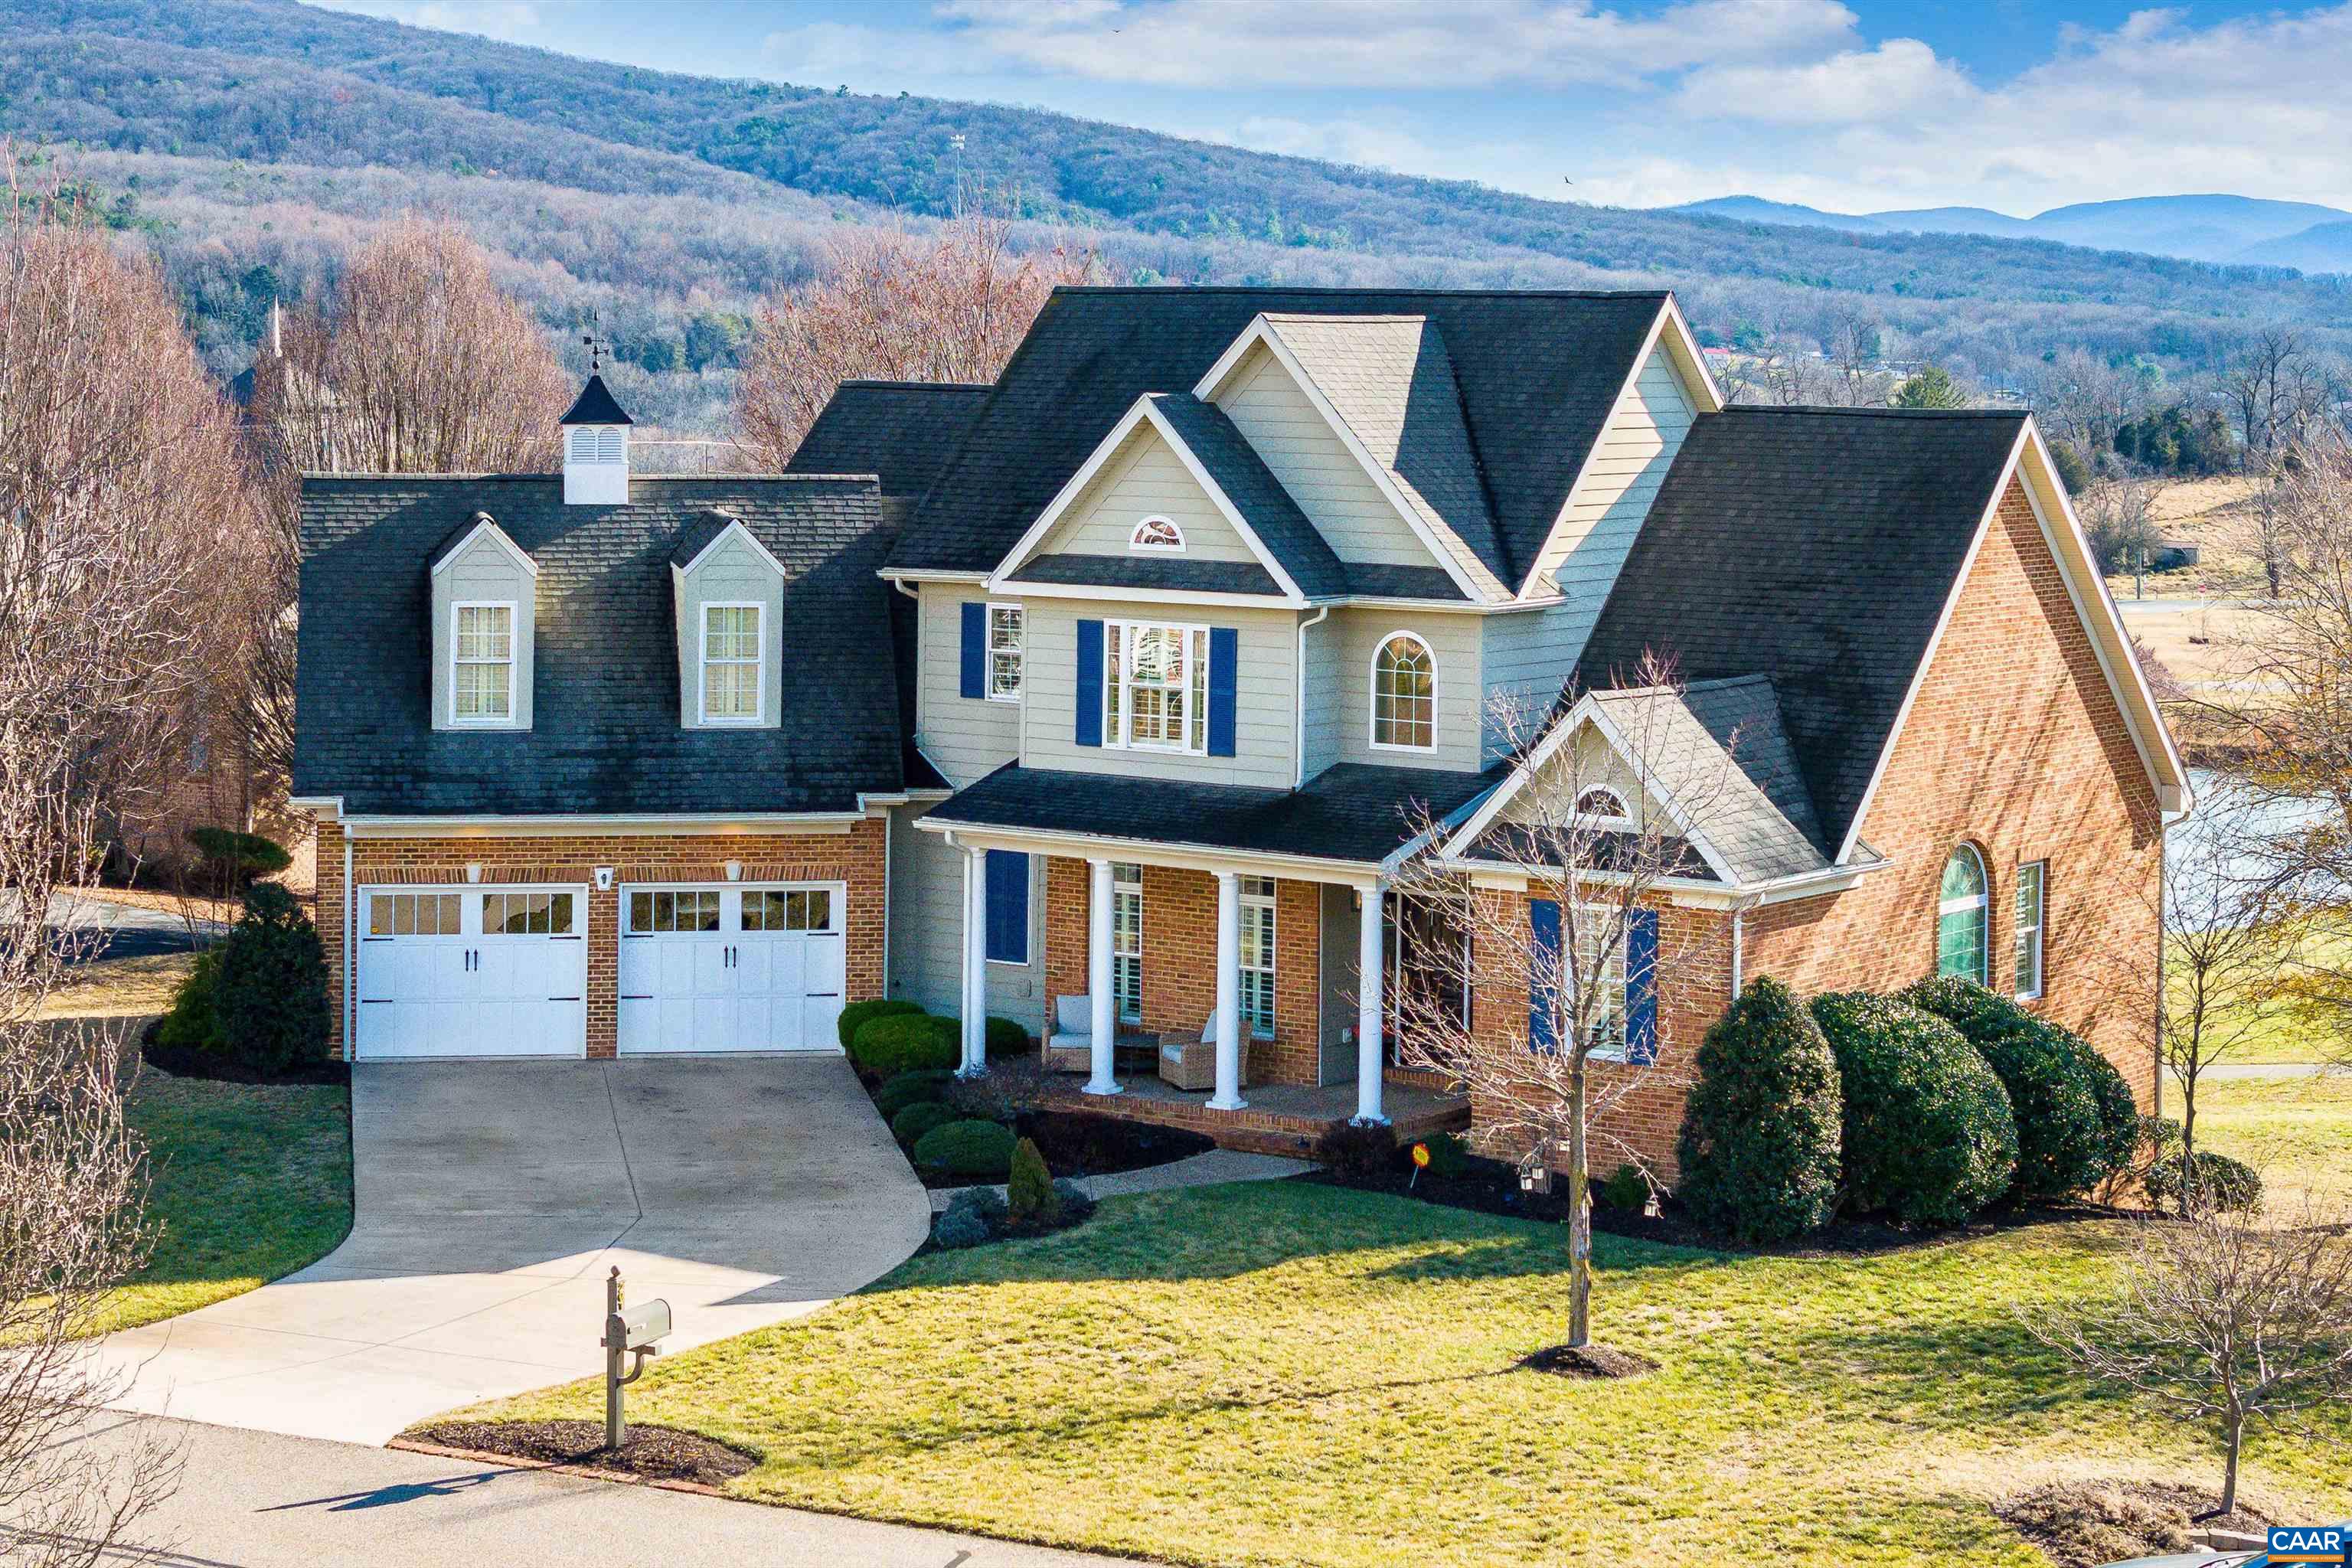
x: 1854, y: 105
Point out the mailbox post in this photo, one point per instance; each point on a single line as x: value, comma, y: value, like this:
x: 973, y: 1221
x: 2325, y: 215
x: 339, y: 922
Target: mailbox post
x: 626, y: 1333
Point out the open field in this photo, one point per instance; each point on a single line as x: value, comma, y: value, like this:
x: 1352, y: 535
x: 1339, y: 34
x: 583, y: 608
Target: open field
x: 2296, y: 1130
x: 130, y: 989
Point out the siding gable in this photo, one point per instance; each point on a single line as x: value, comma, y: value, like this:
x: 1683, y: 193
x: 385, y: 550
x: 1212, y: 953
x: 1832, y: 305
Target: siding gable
x: 731, y: 571
x: 484, y: 571
x: 1146, y: 477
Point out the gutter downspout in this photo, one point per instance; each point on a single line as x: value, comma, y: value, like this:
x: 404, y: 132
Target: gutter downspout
x: 1298, y: 715
x: 351, y: 950
x: 1739, y: 941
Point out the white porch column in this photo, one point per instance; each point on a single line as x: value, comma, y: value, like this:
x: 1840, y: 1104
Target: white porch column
x: 975, y: 964
x: 1370, y: 1059
x: 1228, y: 1095
x: 1103, y: 1026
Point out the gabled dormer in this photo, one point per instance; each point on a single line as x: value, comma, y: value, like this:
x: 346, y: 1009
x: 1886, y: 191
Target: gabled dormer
x: 596, y: 448
x: 483, y: 592
x: 728, y: 592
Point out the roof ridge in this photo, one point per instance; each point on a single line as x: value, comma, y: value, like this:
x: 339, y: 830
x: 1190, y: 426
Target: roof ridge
x: 1867, y: 412
x: 1717, y: 682
x: 1329, y: 289
x: 927, y: 386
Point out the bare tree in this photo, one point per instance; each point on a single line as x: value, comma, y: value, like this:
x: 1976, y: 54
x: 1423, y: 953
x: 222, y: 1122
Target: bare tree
x: 2119, y: 517
x: 2226, y: 1317
x: 115, y: 457
x: 1856, y: 356
x: 2274, y: 384
x: 1591, y: 837
x: 951, y: 306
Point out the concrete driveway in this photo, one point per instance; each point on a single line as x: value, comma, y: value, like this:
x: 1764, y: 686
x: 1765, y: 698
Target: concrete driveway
x: 492, y: 1199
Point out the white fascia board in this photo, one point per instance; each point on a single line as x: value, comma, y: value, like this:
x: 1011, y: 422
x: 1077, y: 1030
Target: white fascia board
x: 1690, y: 359
x: 1010, y: 588
x: 1261, y: 330
x: 317, y: 804
x: 484, y: 521
x: 1150, y: 851
x: 904, y: 574
x: 734, y: 526
x: 682, y: 822
x: 1686, y: 890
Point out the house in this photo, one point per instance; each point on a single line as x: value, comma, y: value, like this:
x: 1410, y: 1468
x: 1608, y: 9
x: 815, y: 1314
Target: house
x: 1114, y: 697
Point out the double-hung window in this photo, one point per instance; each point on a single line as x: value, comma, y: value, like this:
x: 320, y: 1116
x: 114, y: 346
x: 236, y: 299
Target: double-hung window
x: 1006, y: 631
x: 482, y: 661
x: 2032, y: 882
x: 1156, y: 686
x: 1599, y: 952
x: 1258, y: 955
x: 1127, y: 940
x: 730, y: 664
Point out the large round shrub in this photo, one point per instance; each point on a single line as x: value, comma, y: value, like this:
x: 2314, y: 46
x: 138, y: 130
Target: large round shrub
x: 2120, y: 1123
x: 2062, y: 1145
x: 909, y: 1125
x: 980, y: 1150
x: 1927, y: 1134
x: 905, y: 1042
x: 236, y: 858
x: 1761, y: 1130
x: 2222, y: 1182
x: 271, y: 999
x: 192, y: 1025
x: 854, y: 1017
x: 1008, y: 1037
x: 911, y: 1089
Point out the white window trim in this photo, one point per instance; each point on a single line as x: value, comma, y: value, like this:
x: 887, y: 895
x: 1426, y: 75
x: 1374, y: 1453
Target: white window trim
x: 1137, y: 544
x: 1123, y: 887
x: 1622, y: 819
x: 1116, y: 717
x: 1603, y: 913
x: 731, y: 909
x: 2039, y: 870
x: 1273, y: 949
x: 1980, y: 900
x: 1020, y: 653
x: 1372, y: 695
x: 513, y: 662
x: 758, y: 665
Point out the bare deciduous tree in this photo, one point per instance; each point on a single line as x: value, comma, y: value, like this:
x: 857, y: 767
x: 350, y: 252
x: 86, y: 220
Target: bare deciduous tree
x: 949, y: 306
x: 1592, y: 837
x: 2225, y: 1317
x: 2274, y: 384
x: 2119, y: 517
x: 117, y: 461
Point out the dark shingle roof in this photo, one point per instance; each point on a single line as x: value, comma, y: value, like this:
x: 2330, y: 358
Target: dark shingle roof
x: 1251, y: 486
x: 595, y: 405
x: 606, y: 736
x: 901, y: 431
x: 1537, y: 375
x: 1178, y: 573
x: 1815, y: 546
x: 696, y: 536
x: 1353, y: 812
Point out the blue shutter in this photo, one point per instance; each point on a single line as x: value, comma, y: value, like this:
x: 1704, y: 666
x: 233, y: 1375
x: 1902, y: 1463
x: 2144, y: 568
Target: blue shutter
x: 1008, y: 907
x: 975, y: 649
x: 1543, y: 973
x: 1642, y: 987
x: 1224, y: 658
x: 1090, y: 679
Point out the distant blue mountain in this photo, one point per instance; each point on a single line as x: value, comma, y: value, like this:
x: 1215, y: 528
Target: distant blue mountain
x: 2247, y: 229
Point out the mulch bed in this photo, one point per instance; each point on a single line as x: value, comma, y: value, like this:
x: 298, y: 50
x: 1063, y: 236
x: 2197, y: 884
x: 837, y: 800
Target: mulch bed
x: 1081, y: 1143
x: 2081, y: 1524
x: 181, y: 1061
x: 1589, y: 1361
x: 651, y: 1453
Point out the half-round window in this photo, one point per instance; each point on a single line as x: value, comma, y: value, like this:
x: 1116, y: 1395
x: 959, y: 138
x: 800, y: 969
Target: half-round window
x: 1962, y: 939
x: 1405, y: 695
x: 1602, y: 803
x: 1157, y: 533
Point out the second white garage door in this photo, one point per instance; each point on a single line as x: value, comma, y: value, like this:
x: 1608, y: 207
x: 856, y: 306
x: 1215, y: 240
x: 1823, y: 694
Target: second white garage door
x: 729, y: 968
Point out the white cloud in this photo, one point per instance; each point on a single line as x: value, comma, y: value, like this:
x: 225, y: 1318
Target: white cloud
x: 490, y: 18
x: 1900, y: 79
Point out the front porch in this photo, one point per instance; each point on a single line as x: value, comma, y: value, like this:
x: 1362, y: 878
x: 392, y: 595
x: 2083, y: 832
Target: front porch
x: 1278, y: 1118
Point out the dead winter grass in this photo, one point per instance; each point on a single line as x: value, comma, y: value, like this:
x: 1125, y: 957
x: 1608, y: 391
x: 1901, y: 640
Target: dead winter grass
x: 126, y: 988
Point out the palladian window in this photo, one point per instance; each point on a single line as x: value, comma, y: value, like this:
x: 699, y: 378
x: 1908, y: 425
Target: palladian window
x: 1405, y: 695
x: 1961, y: 932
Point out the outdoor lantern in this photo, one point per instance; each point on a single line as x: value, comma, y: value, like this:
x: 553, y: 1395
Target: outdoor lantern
x: 1534, y: 1177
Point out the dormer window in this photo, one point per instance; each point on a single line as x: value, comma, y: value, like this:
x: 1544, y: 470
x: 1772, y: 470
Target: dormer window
x: 732, y: 680
x: 484, y: 587
x: 481, y: 678
x: 1157, y: 536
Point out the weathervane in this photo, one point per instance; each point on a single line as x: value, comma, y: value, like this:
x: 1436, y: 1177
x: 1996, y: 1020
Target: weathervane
x: 596, y: 351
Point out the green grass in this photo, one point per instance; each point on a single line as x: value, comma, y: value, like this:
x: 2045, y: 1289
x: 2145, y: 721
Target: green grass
x: 1285, y: 1373
x: 2297, y: 1130
x: 247, y: 1183
x: 2289, y: 1034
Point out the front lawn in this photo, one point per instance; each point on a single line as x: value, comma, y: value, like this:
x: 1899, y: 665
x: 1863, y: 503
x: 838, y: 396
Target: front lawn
x: 248, y: 1182
x: 1289, y: 1373
x: 2296, y: 1130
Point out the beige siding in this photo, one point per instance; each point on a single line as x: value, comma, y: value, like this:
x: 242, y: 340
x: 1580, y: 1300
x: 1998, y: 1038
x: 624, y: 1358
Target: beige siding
x: 1525, y: 659
x: 927, y: 929
x: 1321, y: 674
x: 1355, y: 634
x: 1145, y: 478
x: 485, y: 572
x: 965, y: 737
x: 1266, y: 723
x: 731, y: 572
x: 1330, y: 485
x: 1545, y: 800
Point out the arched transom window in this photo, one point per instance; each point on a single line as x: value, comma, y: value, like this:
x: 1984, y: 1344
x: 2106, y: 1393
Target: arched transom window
x: 1962, y: 939
x: 1405, y: 694
x: 1157, y: 533
x: 1600, y: 803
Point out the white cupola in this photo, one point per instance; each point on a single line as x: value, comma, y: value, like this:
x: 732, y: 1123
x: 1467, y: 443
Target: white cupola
x: 596, y: 448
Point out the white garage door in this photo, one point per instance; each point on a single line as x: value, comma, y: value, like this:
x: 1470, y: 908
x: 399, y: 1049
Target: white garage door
x: 732, y: 968
x: 472, y: 972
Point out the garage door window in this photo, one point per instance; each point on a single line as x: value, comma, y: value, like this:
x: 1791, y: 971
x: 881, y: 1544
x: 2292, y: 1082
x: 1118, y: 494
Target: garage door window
x: 651, y: 913
x: 414, y: 914
x: 809, y: 910
x: 527, y: 914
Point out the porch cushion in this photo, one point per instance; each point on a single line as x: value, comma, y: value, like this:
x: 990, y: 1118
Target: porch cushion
x: 1073, y: 1016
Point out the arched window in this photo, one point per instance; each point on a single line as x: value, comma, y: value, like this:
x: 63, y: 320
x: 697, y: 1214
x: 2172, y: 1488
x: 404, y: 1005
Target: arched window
x: 1157, y: 533
x: 1405, y: 695
x: 1962, y: 942
x: 1602, y: 803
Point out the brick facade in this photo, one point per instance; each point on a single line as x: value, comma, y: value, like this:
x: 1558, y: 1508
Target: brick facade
x: 856, y: 858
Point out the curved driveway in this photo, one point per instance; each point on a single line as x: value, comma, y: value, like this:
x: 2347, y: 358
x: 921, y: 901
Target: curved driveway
x: 492, y: 1198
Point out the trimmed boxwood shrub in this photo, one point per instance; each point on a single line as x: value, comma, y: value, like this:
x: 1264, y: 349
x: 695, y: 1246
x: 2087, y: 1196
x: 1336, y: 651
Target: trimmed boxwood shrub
x: 1927, y: 1134
x: 911, y: 1089
x: 980, y: 1150
x: 1763, y: 1126
x: 854, y: 1016
x: 270, y: 996
x: 909, y: 1125
x: 2119, y: 1118
x: 192, y: 1025
x: 905, y: 1042
x: 2062, y: 1145
x: 237, y: 858
x: 1008, y: 1038
x: 2222, y: 1182
x: 1029, y: 1196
